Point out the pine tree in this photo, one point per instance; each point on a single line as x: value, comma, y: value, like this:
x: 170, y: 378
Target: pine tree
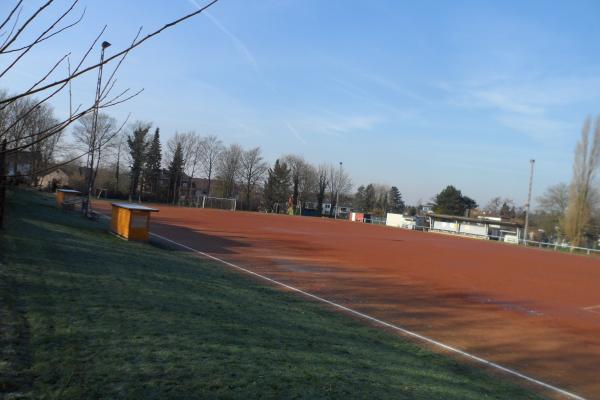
x: 277, y: 189
x: 397, y: 203
x: 452, y: 202
x: 370, y: 199
x: 359, y: 199
x: 175, y: 172
x: 153, y: 164
x: 137, y: 150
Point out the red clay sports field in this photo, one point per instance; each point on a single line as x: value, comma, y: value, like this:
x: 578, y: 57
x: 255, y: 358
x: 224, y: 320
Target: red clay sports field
x: 534, y: 311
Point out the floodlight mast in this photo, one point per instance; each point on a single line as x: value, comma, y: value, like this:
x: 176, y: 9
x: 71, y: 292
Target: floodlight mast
x: 528, y: 205
x: 87, y: 202
x: 337, y: 192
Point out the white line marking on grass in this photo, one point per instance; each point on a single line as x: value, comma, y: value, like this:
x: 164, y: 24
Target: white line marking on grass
x: 404, y: 331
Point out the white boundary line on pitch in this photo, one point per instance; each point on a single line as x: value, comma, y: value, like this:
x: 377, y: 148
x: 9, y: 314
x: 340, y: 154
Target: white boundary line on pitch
x: 386, y: 324
x: 592, y: 309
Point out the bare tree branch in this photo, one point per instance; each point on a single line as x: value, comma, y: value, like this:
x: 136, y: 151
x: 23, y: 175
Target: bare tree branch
x: 13, y: 27
x: 30, y: 46
x: 25, y: 24
x: 12, y: 12
x: 109, y: 59
x: 78, y: 20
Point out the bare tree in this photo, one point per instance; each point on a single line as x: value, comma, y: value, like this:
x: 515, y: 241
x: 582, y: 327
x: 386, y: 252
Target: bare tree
x: 297, y: 166
x: 339, y: 185
x: 322, y: 185
x: 189, y: 142
x: 34, y: 30
x: 119, y: 148
x: 228, y: 168
x: 212, y: 148
x: 555, y: 199
x: 195, y: 156
x: 42, y: 152
x: 94, y: 134
x: 309, y: 183
x: 253, y: 169
x: 585, y: 166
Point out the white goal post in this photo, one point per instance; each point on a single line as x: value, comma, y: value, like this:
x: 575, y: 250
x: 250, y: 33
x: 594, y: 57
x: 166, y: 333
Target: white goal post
x: 202, y: 201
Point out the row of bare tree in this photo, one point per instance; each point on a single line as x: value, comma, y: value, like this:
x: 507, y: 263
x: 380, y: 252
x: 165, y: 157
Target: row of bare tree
x: 24, y: 122
x: 572, y: 211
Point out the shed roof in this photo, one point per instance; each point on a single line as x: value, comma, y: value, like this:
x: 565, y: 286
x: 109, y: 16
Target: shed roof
x: 135, y: 207
x: 69, y: 191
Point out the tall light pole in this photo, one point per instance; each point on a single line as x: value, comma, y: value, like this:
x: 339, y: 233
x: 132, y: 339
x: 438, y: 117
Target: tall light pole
x: 92, y: 143
x: 528, y: 205
x: 337, y: 192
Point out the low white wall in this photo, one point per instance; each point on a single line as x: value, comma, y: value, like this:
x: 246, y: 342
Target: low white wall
x: 445, y: 226
x: 469, y: 229
x: 398, y: 221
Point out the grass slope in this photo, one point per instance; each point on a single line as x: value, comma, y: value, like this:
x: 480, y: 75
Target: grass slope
x: 86, y: 315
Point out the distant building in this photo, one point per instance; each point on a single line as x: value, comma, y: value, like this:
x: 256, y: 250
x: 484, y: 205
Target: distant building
x: 481, y: 227
x: 56, y: 178
x: 426, y: 208
x: 342, y: 211
x: 416, y: 222
x: 20, y: 164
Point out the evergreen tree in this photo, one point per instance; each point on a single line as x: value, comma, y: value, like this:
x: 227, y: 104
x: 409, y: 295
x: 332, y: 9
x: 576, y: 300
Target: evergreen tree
x: 369, y: 202
x: 359, y: 199
x: 452, y: 202
x: 153, y: 164
x: 383, y: 203
x: 277, y: 189
x: 505, y: 211
x: 397, y: 203
x: 175, y: 172
x: 137, y: 150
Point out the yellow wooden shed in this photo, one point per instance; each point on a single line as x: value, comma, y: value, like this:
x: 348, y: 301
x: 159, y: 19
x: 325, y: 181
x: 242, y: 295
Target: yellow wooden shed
x: 63, y: 195
x: 131, y: 221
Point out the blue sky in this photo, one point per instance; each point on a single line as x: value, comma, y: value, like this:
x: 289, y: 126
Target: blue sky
x: 414, y: 94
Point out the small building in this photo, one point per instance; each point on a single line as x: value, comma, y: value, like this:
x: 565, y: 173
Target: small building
x: 481, y: 227
x: 356, y: 217
x: 53, y: 179
x: 342, y: 211
x: 415, y: 222
x: 426, y: 208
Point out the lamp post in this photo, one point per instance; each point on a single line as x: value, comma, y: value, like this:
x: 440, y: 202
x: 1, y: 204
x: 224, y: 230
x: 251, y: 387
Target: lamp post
x: 528, y: 205
x: 337, y: 192
x: 87, y: 208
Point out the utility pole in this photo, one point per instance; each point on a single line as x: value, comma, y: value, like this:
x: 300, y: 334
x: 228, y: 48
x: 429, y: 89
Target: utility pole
x: 91, y: 175
x: 528, y: 205
x: 337, y: 193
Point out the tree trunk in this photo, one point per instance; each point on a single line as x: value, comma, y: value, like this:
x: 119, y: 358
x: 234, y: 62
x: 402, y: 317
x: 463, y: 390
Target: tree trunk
x: 2, y: 182
x: 248, y: 195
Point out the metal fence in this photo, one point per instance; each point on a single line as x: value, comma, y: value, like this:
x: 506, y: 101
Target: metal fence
x: 521, y: 242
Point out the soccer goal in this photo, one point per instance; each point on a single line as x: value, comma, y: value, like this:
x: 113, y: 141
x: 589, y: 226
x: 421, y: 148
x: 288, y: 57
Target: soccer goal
x: 220, y: 203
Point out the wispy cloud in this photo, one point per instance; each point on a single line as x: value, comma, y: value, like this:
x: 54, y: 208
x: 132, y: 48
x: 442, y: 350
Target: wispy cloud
x: 531, y: 106
x: 336, y: 125
x: 239, y: 44
x: 295, y: 132
x: 359, y: 93
x: 394, y: 86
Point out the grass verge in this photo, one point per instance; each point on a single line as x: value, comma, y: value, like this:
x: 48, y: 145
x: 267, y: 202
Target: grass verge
x: 84, y: 314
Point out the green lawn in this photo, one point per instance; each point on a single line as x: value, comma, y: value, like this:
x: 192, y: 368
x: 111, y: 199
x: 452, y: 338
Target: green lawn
x: 85, y: 315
